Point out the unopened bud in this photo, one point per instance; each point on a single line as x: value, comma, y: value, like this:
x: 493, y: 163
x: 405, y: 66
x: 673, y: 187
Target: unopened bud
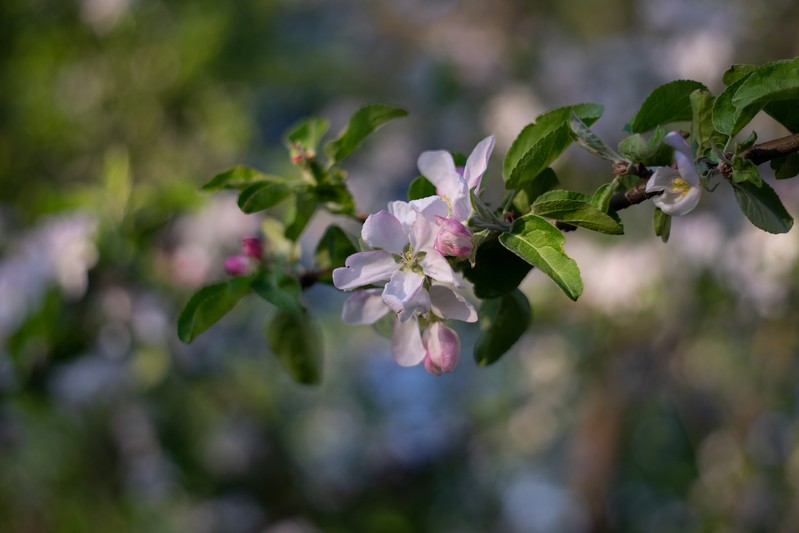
x: 252, y: 247
x: 237, y: 265
x: 453, y: 238
x: 443, y: 349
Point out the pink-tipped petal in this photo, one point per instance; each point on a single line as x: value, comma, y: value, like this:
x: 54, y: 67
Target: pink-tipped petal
x: 364, y: 307
x: 405, y: 294
x: 446, y: 303
x: 453, y: 239
x: 406, y: 342
x: 436, y: 166
x: 383, y: 230
x: 364, y: 268
x: 477, y: 163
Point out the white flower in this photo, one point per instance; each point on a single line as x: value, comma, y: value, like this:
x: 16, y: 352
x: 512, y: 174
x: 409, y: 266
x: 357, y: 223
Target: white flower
x: 680, y: 186
x: 451, y: 185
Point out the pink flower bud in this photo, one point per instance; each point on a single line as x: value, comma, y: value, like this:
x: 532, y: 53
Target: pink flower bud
x: 237, y: 265
x: 443, y: 349
x: 453, y: 238
x: 252, y: 247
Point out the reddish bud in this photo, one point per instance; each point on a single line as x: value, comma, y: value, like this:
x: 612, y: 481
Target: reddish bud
x: 252, y: 247
x: 237, y: 265
x: 443, y: 349
x: 453, y: 238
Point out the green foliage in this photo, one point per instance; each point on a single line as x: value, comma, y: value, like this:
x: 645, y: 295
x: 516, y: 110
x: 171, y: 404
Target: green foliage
x: 503, y: 321
x: 744, y: 170
x: 307, y: 133
x: 362, y: 123
x: 420, y: 187
x: 333, y: 249
x: 576, y: 209
x: 589, y: 140
x: 702, y: 131
x: 263, y: 195
x: 727, y: 117
x: 210, y: 304
x: 296, y: 340
x: 650, y: 152
x: 786, y: 167
x: 602, y: 196
x: 299, y: 213
x: 541, y: 244
x: 772, y: 82
x: 496, y: 270
x: 278, y: 288
x: 530, y: 191
x: 541, y: 142
x: 668, y: 103
x: 238, y: 177
x: 763, y: 207
x: 662, y: 223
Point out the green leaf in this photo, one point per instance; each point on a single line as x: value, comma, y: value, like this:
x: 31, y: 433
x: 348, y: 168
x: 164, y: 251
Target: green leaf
x: 702, y: 131
x: 772, y: 82
x: 737, y: 72
x: 786, y: 167
x: 575, y: 209
x: 278, y: 288
x: 503, y: 321
x: 747, y: 143
x: 296, y: 340
x: 307, y: 133
x: 530, y: 191
x: 650, y: 152
x: 238, y: 177
x: 263, y: 195
x: 420, y: 188
x: 728, y: 118
x: 602, y: 196
x: 299, y: 213
x: 542, y: 142
x: 496, y: 271
x: 210, y: 304
x: 668, y: 103
x: 763, y: 207
x: 786, y: 112
x: 589, y: 140
x: 744, y: 170
x: 336, y: 198
x: 541, y: 244
x: 333, y: 249
x: 662, y: 223
x: 362, y: 123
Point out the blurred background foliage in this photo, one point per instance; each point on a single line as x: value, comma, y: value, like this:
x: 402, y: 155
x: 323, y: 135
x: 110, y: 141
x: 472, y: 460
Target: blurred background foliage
x: 664, y: 400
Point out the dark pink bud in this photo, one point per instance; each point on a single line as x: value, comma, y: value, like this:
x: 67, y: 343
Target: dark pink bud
x: 453, y: 238
x: 443, y: 349
x: 252, y: 247
x: 237, y: 265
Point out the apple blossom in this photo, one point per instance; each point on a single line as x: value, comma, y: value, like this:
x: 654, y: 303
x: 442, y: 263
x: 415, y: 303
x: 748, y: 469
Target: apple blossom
x: 453, y: 186
x: 453, y: 238
x: 442, y: 349
x: 237, y: 265
x: 252, y: 247
x: 680, y: 186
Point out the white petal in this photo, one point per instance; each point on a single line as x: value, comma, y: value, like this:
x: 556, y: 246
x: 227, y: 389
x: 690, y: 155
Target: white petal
x: 477, y: 163
x: 406, y: 343
x: 364, y: 268
x: 436, y: 266
x: 364, y: 307
x: 383, y: 230
x: 683, y: 157
x: 404, y: 212
x: 430, y: 206
x: 676, y: 204
x: 436, y: 166
x: 405, y: 294
x: 423, y: 233
x: 448, y: 304
x: 662, y: 179
x: 678, y: 142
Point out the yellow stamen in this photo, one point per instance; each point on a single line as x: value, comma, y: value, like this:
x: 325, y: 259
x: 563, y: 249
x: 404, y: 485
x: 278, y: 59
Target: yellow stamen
x: 681, y: 186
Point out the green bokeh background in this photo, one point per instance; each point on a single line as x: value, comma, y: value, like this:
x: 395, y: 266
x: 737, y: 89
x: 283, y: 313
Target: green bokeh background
x: 664, y: 400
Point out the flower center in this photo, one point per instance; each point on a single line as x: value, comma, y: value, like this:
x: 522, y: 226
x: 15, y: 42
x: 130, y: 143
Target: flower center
x: 410, y: 259
x: 680, y: 186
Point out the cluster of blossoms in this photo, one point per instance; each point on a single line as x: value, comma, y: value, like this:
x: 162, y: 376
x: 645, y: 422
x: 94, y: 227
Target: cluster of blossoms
x: 407, y: 273
x: 252, y: 250
x: 679, y: 187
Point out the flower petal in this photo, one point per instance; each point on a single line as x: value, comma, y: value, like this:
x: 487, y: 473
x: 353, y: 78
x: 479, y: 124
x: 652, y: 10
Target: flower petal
x: 448, y: 304
x: 683, y: 157
x: 423, y: 234
x: 436, y: 166
x: 443, y: 348
x: 456, y: 193
x: 430, y: 207
x: 404, y: 212
x: 437, y: 267
x: 405, y: 294
x: 477, y: 163
x: 662, y: 179
x: 677, y: 204
x: 406, y: 342
x: 364, y: 307
x: 364, y: 268
x: 384, y: 230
